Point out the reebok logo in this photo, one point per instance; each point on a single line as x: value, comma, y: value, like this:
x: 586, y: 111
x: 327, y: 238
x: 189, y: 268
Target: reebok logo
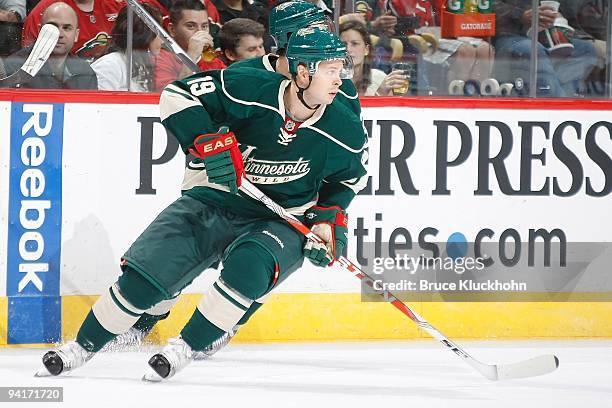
x: 274, y: 237
x: 33, y: 255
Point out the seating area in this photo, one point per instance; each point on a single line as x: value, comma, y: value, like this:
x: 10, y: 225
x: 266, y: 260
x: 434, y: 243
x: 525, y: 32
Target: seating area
x: 448, y: 48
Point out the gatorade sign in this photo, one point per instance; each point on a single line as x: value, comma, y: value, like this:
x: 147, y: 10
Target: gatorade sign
x: 35, y: 220
x: 471, y: 25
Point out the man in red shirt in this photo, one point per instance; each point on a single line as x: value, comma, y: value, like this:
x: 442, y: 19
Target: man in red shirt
x: 61, y: 70
x: 189, y: 27
x: 164, y: 6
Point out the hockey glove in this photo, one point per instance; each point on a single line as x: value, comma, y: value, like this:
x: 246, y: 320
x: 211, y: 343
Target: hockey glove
x: 331, y: 225
x: 221, y: 156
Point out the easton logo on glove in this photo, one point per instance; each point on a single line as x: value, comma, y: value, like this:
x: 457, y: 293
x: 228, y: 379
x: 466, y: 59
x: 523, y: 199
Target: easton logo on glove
x: 221, y: 156
x: 212, y: 143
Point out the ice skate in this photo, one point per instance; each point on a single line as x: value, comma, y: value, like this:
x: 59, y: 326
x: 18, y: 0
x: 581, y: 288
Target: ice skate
x: 130, y: 340
x: 172, y: 359
x: 64, y: 359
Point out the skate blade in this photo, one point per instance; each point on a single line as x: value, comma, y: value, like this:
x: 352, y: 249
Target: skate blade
x: 200, y: 356
x: 151, y: 376
x: 42, y: 372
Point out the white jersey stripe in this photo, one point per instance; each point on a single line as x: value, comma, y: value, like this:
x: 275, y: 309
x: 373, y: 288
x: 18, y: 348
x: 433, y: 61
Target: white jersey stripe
x: 242, y: 102
x: 339, y: 143
x: 174, y: 100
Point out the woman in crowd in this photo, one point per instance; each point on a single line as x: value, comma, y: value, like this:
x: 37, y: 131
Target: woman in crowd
x: 368, y: 81
x: 111, y: 68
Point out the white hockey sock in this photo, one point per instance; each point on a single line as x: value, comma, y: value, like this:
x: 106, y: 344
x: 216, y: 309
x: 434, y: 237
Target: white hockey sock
x: 114, y: 312
x: 223, y: 306
x: 162, y: 307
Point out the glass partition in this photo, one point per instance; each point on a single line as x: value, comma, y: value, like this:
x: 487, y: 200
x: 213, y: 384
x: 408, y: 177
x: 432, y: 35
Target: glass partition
x: 483, y: 47
x: 418, y: 48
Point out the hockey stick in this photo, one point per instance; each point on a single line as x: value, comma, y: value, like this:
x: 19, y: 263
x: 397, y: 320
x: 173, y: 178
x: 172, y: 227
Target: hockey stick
x: 528, y: 368
x: 161, y: 33
x: 47, y: 38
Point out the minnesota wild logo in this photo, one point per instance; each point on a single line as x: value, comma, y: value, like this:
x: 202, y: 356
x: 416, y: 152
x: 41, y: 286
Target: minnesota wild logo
x: 272, y: 171
x: 94, y: 47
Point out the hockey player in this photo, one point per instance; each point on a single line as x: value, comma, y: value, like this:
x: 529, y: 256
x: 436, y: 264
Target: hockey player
x: 284, y: 19
x: 301, y: 147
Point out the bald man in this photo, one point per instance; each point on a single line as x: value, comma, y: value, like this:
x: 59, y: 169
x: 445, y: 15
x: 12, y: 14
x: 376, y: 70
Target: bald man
x: 62, y: 70
x: 96, y: 19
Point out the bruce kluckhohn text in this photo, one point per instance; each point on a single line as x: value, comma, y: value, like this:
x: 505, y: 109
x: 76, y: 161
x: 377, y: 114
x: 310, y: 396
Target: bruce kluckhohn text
x: 465, y: 285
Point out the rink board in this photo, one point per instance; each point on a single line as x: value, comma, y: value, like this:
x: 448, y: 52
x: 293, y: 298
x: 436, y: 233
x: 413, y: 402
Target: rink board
x: 342, y: 316
x: 119, y: 168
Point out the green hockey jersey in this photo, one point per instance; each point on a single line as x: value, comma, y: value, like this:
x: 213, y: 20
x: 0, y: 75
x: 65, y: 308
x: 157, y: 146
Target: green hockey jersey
x: 347, y: 94
x: 320, y: 161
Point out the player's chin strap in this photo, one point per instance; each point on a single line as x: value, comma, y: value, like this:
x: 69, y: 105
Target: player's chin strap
x: 300, y: 92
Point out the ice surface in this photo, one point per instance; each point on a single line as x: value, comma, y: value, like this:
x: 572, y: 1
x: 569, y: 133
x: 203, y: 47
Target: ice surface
x: 399, y: 374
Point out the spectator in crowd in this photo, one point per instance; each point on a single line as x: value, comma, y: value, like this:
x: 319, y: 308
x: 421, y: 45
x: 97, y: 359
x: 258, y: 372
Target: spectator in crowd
x: 371, y: 13
x: 95, y: 18
x: 12, y: 11
x: 189, y: 27
x: 62, y: 70
x: 111, y: 68
x: 230, y: 9
x: 368, y: 81
x: 165, y: 5
x: 379, y: 21
x: 240, y: 39
x: 589, y: 18
x: 558, y: 75
x: 464, y: 58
